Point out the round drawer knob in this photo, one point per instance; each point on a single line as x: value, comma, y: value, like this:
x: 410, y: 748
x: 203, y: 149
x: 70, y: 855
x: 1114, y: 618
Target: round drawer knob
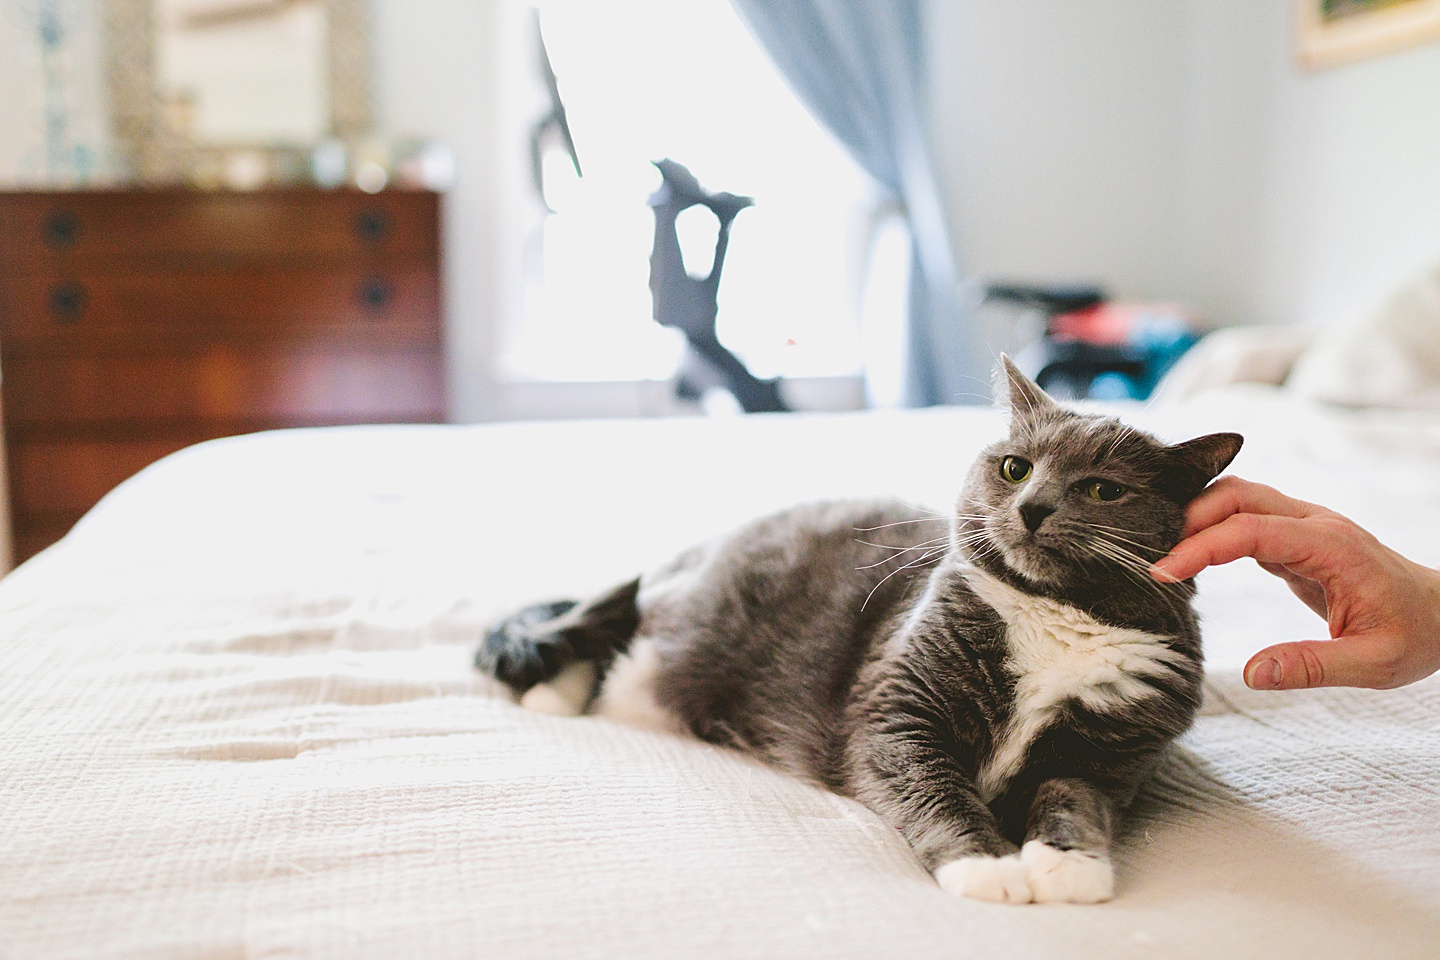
x: 61, y: 229
x: 376, y: 294
x: 372, y: 226
x: 68, y: 301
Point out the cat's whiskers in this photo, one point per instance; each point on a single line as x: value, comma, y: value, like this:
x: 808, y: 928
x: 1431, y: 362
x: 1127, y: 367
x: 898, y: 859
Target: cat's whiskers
x: 990, y: 550
x: 926, y: 558
x: 1128, y: 562
x: 981, y: 538
x: 1116, y: 561
x: 1116, y: 538
x: 1106, y: 526
x: 918, y: 507
x: 891, y: 546
x: 1125, y: 431
x: 1118, y: 551
x: 899, y: 523
x: 926, y: 546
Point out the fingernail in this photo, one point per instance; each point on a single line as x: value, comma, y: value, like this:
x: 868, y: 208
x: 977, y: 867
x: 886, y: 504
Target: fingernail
x: 1158, y: 571
x: 1265, y: 675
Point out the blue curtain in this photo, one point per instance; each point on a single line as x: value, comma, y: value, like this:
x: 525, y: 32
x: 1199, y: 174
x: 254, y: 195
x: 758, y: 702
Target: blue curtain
x: 859, y: 67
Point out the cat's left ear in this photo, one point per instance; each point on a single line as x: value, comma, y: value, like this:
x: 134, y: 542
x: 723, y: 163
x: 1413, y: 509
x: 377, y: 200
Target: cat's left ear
x: 1201, y: 460
x: 1026, y: 398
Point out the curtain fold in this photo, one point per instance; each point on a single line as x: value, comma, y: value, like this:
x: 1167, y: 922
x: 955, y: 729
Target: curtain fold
x: 860, y: 67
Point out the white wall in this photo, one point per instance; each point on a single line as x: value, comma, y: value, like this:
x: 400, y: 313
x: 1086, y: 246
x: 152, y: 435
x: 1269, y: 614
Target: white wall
x: 1176, y: 151
x: 22, y: 93
x: 436, y: 69
x: 1331, y: 179
x: 1060, y: 129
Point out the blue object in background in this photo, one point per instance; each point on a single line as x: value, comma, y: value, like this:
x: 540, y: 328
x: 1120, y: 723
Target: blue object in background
x: 1162, y: 340
x: 1113, y: 385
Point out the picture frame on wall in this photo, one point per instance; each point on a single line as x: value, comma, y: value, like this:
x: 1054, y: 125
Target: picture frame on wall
x: 1333, y: 32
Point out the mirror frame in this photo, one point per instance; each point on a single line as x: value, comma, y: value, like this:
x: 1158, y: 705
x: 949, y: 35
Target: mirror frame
x: 155, y: 154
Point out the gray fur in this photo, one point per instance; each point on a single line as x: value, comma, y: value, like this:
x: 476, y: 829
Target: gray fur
x: 846, y: 643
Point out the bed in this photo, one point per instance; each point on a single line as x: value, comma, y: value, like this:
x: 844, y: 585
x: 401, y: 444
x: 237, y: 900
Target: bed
x: 239, y: 717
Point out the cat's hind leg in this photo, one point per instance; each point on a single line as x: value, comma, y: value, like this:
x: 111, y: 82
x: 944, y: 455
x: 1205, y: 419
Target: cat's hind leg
x: 552, y: 653
x: 567, y: 694
x: 523, y: 649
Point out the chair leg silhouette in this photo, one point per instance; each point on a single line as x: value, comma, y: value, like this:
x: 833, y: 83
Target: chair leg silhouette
x: 690, y: 304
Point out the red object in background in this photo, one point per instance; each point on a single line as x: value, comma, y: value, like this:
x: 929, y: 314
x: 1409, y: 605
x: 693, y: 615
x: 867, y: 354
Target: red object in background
x: 1108, y: 323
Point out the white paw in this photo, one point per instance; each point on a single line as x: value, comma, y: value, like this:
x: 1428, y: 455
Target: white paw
x: 997, y: 879
x: 1066, y: 876
x: 543, y: 698
x: 566, y: 694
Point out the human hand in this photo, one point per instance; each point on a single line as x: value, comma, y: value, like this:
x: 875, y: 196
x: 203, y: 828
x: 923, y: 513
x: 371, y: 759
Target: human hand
x: 1383, y: 610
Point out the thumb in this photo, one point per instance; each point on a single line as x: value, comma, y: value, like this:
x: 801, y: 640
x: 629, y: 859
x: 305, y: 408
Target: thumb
x: 1310, y: 663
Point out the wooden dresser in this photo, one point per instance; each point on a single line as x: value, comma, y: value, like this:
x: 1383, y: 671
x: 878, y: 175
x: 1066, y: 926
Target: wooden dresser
x: 137, y: 322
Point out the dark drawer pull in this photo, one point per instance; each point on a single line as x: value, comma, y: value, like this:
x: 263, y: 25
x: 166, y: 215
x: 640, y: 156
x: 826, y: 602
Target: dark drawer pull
x: 372, y: 226
x: 68, y: 301
x: 61, y: 229
x: 376, y: 294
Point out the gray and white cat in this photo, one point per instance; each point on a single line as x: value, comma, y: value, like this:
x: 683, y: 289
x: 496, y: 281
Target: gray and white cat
x: 998, y: 707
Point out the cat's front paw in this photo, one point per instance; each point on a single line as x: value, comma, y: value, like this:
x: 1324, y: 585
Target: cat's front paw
x: 1066, y: 876
x: 997, y: 879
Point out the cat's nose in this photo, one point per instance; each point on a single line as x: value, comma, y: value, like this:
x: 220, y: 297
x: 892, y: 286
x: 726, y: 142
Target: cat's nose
x: 1034, y: 514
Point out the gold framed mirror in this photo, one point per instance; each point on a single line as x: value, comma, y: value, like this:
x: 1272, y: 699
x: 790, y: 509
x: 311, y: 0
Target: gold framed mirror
x: 234, y: 92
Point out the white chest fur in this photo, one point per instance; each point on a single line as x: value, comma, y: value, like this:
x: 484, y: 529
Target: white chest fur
x: 1059, y: 653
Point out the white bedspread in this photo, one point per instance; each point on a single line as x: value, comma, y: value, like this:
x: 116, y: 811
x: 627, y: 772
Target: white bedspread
x: 238, y: 717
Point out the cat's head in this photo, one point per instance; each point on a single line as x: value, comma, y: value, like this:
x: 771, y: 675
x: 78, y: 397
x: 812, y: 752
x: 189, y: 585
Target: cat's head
x: 1069, y: 499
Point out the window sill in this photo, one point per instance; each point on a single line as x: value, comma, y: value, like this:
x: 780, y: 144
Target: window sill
x: 517, y: 398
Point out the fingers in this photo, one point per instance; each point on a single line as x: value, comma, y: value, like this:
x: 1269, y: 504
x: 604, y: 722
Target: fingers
x: 1342, y: 662
x: 1270, y: 539
x: 1387, y: 633
x: 1231, y: 495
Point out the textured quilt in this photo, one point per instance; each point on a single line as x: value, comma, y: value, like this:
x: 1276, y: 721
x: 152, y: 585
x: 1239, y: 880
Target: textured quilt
x: 238, y: 717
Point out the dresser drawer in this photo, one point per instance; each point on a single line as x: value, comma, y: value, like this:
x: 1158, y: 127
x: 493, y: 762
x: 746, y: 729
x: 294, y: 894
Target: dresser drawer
x: 101, y: 311
x: 30, y: 535
x: 260, y: 386
x: 134, y: 322
x: 175, y: 228
x: 64, y: 478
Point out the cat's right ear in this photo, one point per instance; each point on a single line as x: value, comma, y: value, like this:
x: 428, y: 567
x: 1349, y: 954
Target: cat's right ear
x: 1026, y: 399
x: 1197, y: 462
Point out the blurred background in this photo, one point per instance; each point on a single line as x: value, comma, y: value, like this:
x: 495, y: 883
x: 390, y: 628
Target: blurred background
x: 226, y: 215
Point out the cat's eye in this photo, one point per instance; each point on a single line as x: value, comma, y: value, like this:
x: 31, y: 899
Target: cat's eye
x: 1105, y: 490
x: 1015, y: 469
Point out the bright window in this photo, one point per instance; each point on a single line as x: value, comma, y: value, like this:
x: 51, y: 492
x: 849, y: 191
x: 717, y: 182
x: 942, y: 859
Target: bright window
x: 644, y: 80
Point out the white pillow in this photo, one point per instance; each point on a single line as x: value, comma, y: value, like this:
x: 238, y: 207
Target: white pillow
x: 1235, y: 355
x: 1386, y: 357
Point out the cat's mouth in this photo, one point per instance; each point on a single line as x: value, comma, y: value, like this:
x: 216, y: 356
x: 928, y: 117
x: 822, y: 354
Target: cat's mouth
x: 1028, y: 554
x: 1034, y: 561
x: 1024, y: 553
